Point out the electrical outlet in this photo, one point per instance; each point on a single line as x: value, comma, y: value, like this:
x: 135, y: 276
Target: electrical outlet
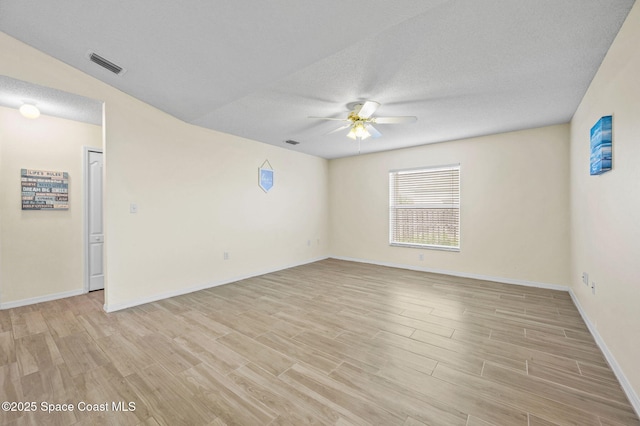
x: 225, y: 255
x: 585, y: 278
x: 421, y: 257
x: 133, y: 208
x: 593, y: 287
x: 308, y: 243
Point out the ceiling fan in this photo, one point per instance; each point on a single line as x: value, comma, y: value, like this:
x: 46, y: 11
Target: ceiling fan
x: 361, y: 122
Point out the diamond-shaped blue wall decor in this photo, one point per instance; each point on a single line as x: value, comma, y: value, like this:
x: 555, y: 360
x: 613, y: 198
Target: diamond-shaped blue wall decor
x: 265, y: 177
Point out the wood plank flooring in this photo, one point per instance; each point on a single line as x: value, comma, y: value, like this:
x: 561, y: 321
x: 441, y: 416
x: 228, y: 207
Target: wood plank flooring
x: 329, y: 343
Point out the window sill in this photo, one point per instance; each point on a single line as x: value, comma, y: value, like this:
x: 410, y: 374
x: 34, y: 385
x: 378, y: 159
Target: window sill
x: 427, y: 247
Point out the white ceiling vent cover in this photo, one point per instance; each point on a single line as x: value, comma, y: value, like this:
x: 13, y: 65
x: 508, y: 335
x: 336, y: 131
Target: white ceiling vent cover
x: 105, y: 63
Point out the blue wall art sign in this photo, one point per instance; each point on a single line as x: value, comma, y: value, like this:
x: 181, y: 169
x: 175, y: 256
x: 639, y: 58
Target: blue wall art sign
x: 601, y: 144
x: 265, y: 176
x: 44, y: 190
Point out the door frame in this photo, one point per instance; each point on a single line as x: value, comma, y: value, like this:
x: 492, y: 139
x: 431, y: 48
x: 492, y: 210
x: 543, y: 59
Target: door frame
x: 85, y: 207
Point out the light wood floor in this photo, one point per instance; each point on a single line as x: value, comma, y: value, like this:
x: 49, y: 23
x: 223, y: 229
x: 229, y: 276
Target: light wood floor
x: 327, y: 343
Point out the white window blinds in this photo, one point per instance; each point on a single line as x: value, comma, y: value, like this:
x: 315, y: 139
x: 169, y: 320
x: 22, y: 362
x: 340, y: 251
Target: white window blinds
x: 424, y: 207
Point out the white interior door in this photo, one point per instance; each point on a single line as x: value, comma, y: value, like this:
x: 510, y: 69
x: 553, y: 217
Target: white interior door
x: 95, y: 226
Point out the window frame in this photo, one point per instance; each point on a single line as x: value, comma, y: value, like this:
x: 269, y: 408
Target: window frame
x: 392, y: 207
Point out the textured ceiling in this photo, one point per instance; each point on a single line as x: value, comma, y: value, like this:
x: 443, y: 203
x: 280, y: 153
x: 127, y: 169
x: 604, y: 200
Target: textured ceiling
x: 14, y: 93
x: 259, y: 69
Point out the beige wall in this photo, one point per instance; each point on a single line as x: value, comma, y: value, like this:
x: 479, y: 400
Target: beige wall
x: 197, y: 194
x: 198, y: 197
x: 41, y: 253
x: 605, y: 209
x: 514, y: 206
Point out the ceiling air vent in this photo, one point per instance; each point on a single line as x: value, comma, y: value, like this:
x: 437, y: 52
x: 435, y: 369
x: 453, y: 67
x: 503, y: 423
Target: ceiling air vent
x: 106, y: 64
x: 291, y: 142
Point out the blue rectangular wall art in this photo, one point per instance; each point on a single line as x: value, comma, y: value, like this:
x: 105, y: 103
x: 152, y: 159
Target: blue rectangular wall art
x: 601, y: 146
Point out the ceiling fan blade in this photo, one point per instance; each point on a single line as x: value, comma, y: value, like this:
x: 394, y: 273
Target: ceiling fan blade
x: 339, y: 128
x: 394, y: 120
x: 329, y: 118
x: 373, y: 131
x: 368, y: 108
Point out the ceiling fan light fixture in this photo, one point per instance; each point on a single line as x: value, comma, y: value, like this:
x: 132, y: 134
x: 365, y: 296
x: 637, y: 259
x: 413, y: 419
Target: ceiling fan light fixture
x: 29, y: 111
x: 358, y: 131
x: 361, y: 120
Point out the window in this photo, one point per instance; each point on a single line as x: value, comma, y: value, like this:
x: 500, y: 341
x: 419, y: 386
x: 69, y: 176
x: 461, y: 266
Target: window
x: 424, y: 207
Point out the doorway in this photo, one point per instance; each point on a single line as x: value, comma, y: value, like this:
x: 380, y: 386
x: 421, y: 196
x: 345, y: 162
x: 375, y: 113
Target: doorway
x: 94, y: 220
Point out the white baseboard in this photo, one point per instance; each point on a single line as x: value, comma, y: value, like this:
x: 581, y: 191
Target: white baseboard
x: 40, y: 299
x: 459, y: 274
x: 187, y: 290
x: 617, y: 370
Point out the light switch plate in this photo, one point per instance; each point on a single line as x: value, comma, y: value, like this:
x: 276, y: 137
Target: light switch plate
x: 133, y: 208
